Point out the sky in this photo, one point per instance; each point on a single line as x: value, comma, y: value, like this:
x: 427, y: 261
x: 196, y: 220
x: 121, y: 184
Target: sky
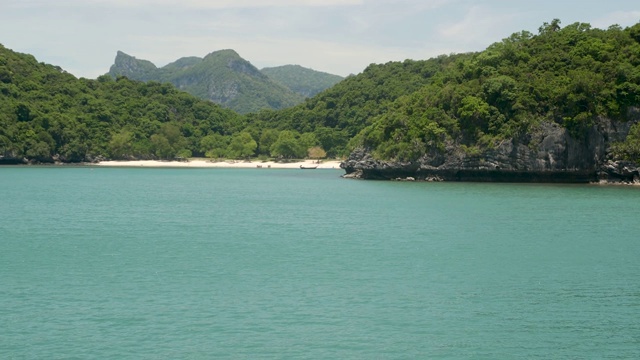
x: 336, y: 36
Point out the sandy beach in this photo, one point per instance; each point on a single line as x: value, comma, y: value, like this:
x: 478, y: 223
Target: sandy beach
x: 206, y: 163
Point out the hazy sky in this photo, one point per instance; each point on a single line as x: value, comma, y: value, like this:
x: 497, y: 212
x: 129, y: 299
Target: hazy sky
x: 336, y: 36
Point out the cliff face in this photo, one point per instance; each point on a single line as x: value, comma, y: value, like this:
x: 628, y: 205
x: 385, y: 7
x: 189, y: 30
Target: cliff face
x: 548, y: 153
x: 131, y: 67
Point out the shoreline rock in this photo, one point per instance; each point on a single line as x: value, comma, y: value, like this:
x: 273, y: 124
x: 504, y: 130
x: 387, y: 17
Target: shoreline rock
x: 548, y: 154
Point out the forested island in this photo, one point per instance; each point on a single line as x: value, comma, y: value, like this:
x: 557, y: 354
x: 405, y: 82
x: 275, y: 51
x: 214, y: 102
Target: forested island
x: 560, y: 105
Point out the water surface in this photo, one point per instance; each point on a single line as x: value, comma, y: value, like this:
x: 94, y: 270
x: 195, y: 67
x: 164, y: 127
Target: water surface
x: 254, y: 263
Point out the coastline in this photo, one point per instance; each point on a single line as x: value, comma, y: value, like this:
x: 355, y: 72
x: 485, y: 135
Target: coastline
x: 205, y: 163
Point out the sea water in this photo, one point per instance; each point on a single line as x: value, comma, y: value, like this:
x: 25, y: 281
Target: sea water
x: 114, y: 263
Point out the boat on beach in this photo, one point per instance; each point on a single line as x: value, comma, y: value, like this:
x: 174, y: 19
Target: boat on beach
x: 303, y: 167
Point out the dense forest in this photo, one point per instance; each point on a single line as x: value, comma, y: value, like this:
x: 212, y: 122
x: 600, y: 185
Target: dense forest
x: 569, y: 75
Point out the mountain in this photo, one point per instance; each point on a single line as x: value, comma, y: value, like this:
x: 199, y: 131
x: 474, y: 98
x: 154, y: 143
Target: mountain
x: 561, y: 105
x: 47, y: 115
x: 222, y: 77
x: 304, y: 81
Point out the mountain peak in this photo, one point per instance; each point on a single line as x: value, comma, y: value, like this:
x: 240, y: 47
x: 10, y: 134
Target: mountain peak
x: 228, y: 52
x: 129, y: 66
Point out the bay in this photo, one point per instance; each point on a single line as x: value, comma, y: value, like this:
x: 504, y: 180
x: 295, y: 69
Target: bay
x: 116, y: 263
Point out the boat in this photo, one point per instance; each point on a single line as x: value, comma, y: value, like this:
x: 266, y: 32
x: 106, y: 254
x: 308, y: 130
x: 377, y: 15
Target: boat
x: 308, y: 167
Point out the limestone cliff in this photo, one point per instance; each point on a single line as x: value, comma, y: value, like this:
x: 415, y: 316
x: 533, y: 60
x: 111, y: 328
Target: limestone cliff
x: 549, y: 153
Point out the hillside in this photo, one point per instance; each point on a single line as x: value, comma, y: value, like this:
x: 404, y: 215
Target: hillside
x: 48, y: 115
x: 462, y: 109
x: 303, y: 81
x: 549, y: 106
x: 222, y: 77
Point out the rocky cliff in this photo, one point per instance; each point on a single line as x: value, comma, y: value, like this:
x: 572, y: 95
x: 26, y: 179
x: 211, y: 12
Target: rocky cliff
x: 548, y: 153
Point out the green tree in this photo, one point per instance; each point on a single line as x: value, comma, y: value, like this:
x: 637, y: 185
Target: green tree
x: 267, y: 138
x: 121, y: 145
x: 161, y: 147
x: 308, y: 140
x: 474, y: 113
x: 288, y: 146
x: 242, y: 145
x: 214, y: 146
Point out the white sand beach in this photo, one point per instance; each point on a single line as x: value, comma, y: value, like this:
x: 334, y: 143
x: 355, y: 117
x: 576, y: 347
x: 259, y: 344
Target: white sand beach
x: 206, y: 163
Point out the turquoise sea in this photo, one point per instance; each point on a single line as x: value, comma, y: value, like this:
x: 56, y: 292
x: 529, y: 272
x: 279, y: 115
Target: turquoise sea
x: 114, y: 263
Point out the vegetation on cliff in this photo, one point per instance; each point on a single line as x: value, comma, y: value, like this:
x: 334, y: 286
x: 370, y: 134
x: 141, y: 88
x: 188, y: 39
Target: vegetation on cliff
x: 569, y: 76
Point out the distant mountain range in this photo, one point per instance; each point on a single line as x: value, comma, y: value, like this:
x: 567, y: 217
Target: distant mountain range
x: 229, y: 80
x: 306, y: 82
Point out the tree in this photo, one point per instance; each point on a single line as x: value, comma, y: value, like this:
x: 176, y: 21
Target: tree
x: 308, y: 140
x: 242, y: 145
x: 161, y: 147
x: 23, y: 112
x: 268, y: 137
x: 547, y: 28
x: 214, y: 145
x: 287, y: 146
x: 317, y: 153
x: 121, y: 145
x: 474, y: 113
x: 39, y: 150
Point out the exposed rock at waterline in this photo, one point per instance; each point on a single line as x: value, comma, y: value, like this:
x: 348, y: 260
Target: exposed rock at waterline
x: 548, y: 153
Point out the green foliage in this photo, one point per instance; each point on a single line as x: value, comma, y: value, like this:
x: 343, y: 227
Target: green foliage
x: 630, y: 148
x: 267, y: 138
x: 46, y: 113
x: 288, y: 146
x: 568, y: 75
x: 242, y: 146
x: 350, y: 105
x: 214, y: 146
x: 121, y: 145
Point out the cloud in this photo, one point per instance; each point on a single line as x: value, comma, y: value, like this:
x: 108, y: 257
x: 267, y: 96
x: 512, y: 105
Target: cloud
x: 479, y: 27
x: 330, y: 56
x: 197, y: 4
x: 622, y: 18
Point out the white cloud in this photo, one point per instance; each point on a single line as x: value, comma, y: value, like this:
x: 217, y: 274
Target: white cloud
x: 337, y: 36
x: 622, y: 18
x: 479, y: 26
x: 198, y: 4
x: 329, y: 56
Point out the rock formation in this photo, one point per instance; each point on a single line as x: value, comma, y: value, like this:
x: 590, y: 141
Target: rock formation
x: 548, y: 153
